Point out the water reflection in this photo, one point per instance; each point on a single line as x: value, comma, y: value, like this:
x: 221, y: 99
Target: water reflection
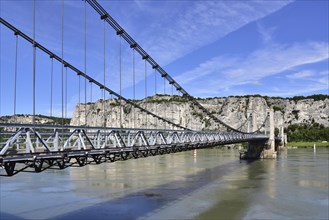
x: 137, y: 174
x: 313, y: 183
x: 201, y: 184
x: 239, y: 189
x: 299, y: 190
x: 195, y: 155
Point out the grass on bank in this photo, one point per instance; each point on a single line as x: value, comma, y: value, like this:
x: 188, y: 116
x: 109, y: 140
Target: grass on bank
x: 308, y: 144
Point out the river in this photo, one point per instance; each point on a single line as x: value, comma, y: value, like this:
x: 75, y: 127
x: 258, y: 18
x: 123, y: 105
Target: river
x: 200, y: 184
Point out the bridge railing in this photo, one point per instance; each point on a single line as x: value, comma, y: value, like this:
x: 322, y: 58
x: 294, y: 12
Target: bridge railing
x: 50, y: 138
x: 31, y: 146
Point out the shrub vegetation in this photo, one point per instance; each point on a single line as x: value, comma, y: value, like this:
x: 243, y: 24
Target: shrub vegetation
x: 307, y: 132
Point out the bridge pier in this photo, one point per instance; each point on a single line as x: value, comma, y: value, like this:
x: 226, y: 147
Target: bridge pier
x: 283, y: 138
x: 269, y: 151
x: 260, y: 149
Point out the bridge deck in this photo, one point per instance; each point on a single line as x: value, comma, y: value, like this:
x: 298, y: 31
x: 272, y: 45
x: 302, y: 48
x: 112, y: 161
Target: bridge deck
x: 40, y: 147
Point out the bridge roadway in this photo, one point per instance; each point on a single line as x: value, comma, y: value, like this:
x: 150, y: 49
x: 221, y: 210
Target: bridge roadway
x: 40, y: 147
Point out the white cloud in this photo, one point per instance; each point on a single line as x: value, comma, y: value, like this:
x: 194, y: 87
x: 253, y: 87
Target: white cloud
x: 277, y: 58
x: 220, y: 73
x: 200, y: 23
x: 266, y: 33
x: 211, y: 67
x: 184, y: 26
x: 257, y: 83
x: 169, y: 33
x: 301, y: 75
x: 289, y: 91
x: 323, y: 78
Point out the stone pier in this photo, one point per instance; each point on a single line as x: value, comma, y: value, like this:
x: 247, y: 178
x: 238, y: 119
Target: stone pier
x: 269, y: 150
x: 283, y: 138
x: 264, y: 149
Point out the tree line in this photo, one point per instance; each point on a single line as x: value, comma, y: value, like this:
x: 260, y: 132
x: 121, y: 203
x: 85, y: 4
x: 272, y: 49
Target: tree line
x: 307, y: 132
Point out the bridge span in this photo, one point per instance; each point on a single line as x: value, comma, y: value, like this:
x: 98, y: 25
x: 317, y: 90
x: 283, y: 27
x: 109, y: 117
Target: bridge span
x: 38, y: 147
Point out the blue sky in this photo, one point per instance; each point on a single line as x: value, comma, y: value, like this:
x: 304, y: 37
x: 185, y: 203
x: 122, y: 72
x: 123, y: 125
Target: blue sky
x: 212, y: 48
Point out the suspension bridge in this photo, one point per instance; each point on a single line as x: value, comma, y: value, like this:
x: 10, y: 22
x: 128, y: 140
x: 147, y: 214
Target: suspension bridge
x: 36, y: 147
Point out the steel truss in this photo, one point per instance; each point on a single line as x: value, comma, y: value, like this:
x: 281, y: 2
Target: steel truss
x: 42, y: 146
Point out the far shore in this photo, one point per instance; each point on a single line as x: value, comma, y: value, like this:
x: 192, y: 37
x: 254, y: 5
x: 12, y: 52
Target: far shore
x: 308, y: 144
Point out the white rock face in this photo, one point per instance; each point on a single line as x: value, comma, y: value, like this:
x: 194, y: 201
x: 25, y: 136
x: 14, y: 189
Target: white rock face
x: 28, y: 119
x: 231, y: 110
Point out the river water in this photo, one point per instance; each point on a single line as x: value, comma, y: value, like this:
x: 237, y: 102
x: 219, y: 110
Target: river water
x: 200, y: 184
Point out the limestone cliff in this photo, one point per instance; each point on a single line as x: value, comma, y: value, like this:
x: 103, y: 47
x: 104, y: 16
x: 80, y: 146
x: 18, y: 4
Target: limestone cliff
x: 28, y: 119
x: 231, y: 110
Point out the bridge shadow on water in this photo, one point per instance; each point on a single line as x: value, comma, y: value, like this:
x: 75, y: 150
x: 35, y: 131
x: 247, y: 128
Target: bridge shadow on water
x: 143, y: 202
x: 29, y: 168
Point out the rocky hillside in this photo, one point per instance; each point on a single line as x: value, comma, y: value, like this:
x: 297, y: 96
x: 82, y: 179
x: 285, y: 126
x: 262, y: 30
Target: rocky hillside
x: 231, y: 110
x: 27, y: 119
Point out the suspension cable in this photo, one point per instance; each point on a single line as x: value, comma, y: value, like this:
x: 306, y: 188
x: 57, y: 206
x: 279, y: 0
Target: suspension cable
x: 164, y: 85
x: 0, y: 68
x: 34, y: 66
x: 104, y: 81
x: 51, y: 85
x: 164, y: 92
x: 244, y: 123
x: 62, y: 64
x: 145, y: 67
x: 155, y: 82
x: 179, y: 111
x: 172, y: 105
x: 110, y: 100
x: 111, y: 110
x: 91, y: 91
x: 15, y: 77
x: 155, y: 93
x: 134, y: 89
x: 85, y: 58
x: 177, y: 93
x: 120, y: 66
x: 79, y: 87
x: 83, y: 74
x: 65, y: 91
x: 99, y: 9
x: 101, y: 123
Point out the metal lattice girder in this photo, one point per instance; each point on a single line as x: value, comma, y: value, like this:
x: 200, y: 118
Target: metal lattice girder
x: 140, y: 139
x: 79, y: 139
x: 95, y: 138
x: 35, y: 146
x: 28, y: 138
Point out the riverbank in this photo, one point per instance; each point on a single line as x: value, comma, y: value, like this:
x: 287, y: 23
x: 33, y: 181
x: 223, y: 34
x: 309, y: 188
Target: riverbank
x: 308, y: 144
